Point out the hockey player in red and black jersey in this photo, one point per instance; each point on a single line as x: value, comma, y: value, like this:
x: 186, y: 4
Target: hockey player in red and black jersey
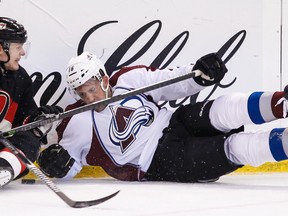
x: 16, y: 101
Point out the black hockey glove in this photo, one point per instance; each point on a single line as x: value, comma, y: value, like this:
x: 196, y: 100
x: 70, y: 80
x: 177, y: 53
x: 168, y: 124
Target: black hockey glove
x: 212, y: 67
x: 43, y: 112
x: 55, y: 161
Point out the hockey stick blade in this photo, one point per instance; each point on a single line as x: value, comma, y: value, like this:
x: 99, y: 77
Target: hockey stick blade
x: 107, y: 101
x: 30, y: 165
x: 83, y: 204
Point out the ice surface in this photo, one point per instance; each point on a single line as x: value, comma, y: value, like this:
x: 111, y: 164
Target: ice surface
x: 233, y: 195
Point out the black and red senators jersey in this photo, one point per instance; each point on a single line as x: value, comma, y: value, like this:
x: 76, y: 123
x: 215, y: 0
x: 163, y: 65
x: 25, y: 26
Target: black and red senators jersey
x: 16, y: 98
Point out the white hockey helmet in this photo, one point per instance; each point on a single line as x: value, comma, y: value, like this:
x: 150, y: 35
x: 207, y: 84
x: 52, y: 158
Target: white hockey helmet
x: 82, y: 68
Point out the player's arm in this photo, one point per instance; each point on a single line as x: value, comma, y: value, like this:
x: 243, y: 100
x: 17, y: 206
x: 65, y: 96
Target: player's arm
x: 56, y: 162
x: 212, y: 70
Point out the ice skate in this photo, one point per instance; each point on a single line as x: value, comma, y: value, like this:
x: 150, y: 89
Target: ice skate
x: 6, y: 175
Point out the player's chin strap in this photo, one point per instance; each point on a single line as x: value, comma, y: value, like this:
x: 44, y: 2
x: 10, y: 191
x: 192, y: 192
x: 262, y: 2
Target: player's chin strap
x: 222, y: 51
x: 106, y: 90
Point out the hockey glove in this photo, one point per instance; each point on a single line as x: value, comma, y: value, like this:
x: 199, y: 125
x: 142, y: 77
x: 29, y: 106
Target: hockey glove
x: 55, y: 161
x: 43, y: 112
x: 212, y: 67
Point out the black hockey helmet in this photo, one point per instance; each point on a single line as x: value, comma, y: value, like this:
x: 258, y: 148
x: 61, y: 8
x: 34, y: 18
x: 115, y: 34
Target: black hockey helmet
x: 12, y: 31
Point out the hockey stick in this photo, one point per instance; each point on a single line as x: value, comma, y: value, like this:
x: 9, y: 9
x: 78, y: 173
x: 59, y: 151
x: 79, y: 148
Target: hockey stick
x: 49, y: 183
x: 46, y: 180
x: 41, y: 175
x: 104, y: 102
x: 222, y: 51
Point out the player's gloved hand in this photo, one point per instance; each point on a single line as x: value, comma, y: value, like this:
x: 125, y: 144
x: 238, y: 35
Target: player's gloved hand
x: 212, y: 67
x: 55, y: 161
x: 43, y: 112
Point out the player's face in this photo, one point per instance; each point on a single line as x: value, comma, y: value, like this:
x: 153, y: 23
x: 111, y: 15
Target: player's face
x: 91, y: 91
x: 16, y: 51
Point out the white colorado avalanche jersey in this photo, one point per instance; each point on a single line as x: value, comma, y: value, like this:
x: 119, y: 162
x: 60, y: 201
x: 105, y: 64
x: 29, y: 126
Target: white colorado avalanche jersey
x: 123, y: 137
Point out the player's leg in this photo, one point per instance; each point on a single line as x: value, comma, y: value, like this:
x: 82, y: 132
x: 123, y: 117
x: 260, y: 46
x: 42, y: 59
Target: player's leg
x: 257, y: 148
x: 6, y: 172
x: 196, y: 118
x: 10, y: 166
x: 183, y: 157
x: 234, y: 110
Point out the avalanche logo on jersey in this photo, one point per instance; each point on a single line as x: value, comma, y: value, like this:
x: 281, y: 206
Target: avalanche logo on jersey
x: 127, y: 119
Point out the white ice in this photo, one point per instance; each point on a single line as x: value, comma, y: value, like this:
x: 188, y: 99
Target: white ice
x: 233, y: 195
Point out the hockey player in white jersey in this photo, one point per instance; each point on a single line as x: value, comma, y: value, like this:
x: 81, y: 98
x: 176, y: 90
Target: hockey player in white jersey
x: 135, y: 139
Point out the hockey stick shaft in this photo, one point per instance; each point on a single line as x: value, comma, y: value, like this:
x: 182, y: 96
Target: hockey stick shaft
x: 48, y: 182
x: 222, y: 51
x: 104, y: 102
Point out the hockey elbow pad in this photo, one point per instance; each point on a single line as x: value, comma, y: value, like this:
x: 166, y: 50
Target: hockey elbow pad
x: 55, y: 161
